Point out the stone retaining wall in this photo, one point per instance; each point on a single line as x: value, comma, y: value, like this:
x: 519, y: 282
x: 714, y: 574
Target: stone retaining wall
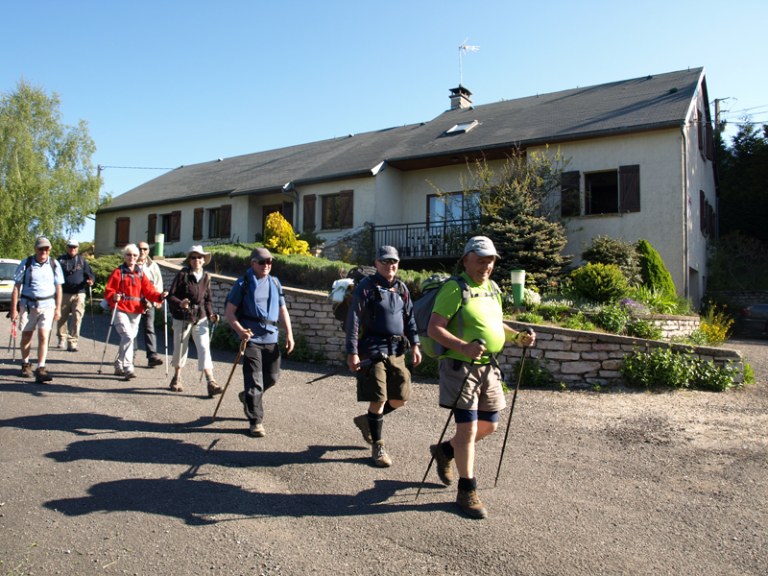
x: 746, y: 296
x: 574, y: 357
x: 672, y: 326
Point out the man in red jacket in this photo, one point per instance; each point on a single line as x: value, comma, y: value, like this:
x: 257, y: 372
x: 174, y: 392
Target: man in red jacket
x: 128, y: 288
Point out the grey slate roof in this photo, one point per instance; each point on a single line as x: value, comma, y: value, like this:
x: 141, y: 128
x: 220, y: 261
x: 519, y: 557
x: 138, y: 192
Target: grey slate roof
x: 630, y: 105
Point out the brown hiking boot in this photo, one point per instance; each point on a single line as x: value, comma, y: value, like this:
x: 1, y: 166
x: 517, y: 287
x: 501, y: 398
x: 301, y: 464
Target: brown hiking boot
x: 443, y: 464
x: 26, y: 370
x: 156, y: 361
x: 213, y: 388
x: 362, y: 423
x: 42, y: 376
x: 176, y: 384
x: 62, y: 344
x: 379, y: 455
x: 470, y: 503
x: 129, y: 375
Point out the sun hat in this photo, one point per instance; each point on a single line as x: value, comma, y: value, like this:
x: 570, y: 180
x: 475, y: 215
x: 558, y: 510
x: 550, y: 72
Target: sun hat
x: 197, y: 249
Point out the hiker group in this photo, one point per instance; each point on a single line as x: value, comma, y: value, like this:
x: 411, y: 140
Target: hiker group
x: 458, y: 319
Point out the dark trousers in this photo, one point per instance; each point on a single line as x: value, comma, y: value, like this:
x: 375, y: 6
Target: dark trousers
x: 148, y: 327
x: 261, y: 369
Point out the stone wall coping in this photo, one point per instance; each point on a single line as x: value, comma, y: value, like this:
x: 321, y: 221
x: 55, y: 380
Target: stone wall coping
x: 666, y: 317
x: 603, y: 338
x: 232, y: 280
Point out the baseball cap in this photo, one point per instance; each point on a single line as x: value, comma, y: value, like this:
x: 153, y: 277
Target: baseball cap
x: 260, y: 254
x: 42, y: 242
x: 480, y: 245
x: 73, y: 242
x: 387, y: 252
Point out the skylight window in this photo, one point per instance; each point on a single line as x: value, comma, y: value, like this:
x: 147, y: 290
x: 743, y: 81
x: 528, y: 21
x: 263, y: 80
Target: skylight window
x: 462, y: 128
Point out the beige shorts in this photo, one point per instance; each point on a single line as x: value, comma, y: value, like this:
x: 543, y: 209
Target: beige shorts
x: 388, y: 379
x: 483, y: 390
x: 32, y: 318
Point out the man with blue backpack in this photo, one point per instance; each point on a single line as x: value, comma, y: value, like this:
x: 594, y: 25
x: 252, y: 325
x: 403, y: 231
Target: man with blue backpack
x: 255, y: 308
x: 380, y: 328
x: 467, y: 322
x: 37, y: 298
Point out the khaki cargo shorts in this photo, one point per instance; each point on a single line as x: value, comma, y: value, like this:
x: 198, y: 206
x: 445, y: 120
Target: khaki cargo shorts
x: 32, y: 318
x: 388, y: 379
x: 483, y: 390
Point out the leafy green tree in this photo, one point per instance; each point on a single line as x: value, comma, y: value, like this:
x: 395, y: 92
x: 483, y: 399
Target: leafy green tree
x: 517, y: 207
x: 654, y: 271
x: 743, y: 174
x: 47, y: 181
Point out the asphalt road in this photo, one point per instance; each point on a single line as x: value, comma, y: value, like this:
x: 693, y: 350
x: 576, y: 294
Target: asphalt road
x: 103, y: 476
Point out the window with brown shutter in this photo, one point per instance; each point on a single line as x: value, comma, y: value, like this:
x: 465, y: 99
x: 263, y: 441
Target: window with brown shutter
x: 151, y: 228
x: 309, y: 212
x: 226, y: 220
x: 197, y: 229
x: 174, y: 233
x: 346, y: 209
x: 288, y: 212
x: 629, y: 188
x: 122, y: 231
x: 570, y: 204
x: 702, y: 212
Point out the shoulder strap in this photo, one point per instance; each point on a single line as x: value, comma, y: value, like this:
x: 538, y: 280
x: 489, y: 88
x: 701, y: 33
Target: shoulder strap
x: 28, y: 269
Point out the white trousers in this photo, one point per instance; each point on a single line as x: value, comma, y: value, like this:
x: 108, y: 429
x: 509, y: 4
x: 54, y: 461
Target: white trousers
x: 199, y: 332
x: 127, y: 325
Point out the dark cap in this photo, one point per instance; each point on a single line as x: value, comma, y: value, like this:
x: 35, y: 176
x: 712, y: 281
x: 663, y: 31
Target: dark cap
x: 387, y: 252
x: 260, y: 254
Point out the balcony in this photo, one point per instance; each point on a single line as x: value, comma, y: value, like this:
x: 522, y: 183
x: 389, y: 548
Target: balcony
x: 425, y: 240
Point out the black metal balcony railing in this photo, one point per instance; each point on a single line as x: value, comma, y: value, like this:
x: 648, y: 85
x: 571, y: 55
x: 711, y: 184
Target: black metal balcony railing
x: 422, y: 240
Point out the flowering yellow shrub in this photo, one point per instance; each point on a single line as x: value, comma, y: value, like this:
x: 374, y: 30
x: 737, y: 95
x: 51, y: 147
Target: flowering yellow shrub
x: 716, y: 326
x: 279, y: 236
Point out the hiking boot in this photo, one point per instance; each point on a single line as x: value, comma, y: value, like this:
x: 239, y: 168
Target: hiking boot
x: 176, y: 384
x: 62, y: 344
x: 26, y: 370
x: 470, y: 503
x: 379, y: 455
x: 42, y: 376
x: 129, y: 375
x: 362, y: 423
x: 72, y: 347
x: 443, y: 464
x: 118, y: 369
x: 257, y: 430
x: 213, y: 388
x: 241, y: 397
x: 156, y: 361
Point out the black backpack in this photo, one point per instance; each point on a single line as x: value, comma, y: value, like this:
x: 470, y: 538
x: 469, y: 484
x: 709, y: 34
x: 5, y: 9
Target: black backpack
x: 357, y: 274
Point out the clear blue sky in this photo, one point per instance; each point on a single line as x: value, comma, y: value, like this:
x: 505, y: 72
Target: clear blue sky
x: 167, y: 83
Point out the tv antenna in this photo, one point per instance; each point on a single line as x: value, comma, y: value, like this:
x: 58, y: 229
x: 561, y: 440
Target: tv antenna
x: 463, y: 49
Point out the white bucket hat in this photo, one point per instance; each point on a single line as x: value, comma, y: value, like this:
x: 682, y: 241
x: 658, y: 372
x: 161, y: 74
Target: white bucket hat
x: 198, y: 249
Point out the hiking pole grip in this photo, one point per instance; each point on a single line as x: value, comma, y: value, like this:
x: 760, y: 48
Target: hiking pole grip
x: 448, y: 421
x: 529, y: 330
x: 234, y: 366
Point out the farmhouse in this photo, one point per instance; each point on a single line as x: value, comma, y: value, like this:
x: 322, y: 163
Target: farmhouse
x: 641, y: 166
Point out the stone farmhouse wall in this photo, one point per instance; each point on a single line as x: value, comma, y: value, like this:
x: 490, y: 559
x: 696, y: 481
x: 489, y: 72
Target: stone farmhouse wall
x: 574, y: 357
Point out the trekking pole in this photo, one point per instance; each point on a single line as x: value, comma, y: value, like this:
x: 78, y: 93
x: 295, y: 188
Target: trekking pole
x: 512, y: 409
x: 240, y: 353
x: 106, y: 342
x: 93, y: 324
x: 165, y: 324
x: 448, y: 421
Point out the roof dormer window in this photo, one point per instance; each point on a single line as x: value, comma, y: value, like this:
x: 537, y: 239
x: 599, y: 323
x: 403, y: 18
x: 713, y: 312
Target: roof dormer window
x: 462, y: 128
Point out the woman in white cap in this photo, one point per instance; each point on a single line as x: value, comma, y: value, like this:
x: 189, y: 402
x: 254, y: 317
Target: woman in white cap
x: 192, y: 309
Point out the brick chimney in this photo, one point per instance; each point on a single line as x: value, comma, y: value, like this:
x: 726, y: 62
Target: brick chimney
x: 460, y: 98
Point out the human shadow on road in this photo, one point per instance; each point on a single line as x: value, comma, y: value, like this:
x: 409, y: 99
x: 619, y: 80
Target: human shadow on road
x: 173, y: 452
x: 83, y: 423
x: 197, y: 502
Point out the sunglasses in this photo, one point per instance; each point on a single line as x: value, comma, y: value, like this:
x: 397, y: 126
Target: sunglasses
x: 197, y: 257
x: 46, y: 249
x: 267, y: 262
x: 389, y: 261
x: 144, y: 249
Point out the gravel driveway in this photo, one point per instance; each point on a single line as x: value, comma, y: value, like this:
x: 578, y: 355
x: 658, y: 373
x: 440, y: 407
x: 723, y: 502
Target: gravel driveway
x: 101, y: 476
